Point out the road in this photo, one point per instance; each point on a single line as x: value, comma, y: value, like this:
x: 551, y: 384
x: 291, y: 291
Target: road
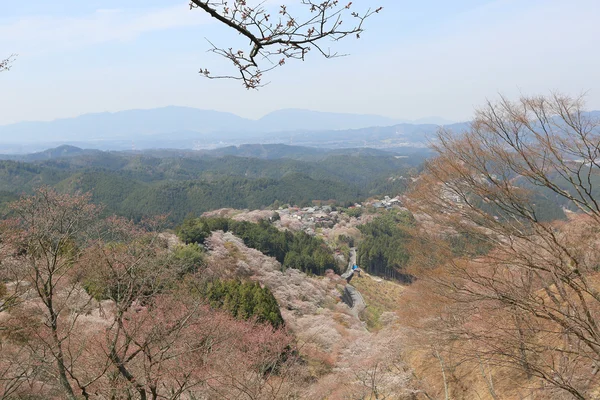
x: 351, y: 263
x: 351, y: 296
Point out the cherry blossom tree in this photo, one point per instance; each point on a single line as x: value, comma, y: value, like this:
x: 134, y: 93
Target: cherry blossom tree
x: 529, y: 300
x: 46, y: 238
x: 99, y: 307
x: 277, y: 35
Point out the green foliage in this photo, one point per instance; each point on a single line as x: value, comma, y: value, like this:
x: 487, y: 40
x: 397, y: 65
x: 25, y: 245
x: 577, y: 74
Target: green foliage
x: 382, y: 250
x: 275, y: 217
x: 353, y: 211
x: 244, y: 300
x: 193, y: 230
x: 6, y: 198
x: 189, y: 258
x: 344, y: 239
x: 19, y: 177
x: 96, y: 288
x: 138, y: 185
x: 136, y: 199
x: 293, y: 250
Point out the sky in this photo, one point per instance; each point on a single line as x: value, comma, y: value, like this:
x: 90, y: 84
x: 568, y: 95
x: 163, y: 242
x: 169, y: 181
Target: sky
x: 416, y: 59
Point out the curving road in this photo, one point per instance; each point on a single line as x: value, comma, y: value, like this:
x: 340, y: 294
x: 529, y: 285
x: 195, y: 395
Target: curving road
x: 351, y: 296
x: 348, y: 274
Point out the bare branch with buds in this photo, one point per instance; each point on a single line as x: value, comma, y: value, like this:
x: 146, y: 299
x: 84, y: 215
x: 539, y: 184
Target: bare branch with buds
x: 276, y: 39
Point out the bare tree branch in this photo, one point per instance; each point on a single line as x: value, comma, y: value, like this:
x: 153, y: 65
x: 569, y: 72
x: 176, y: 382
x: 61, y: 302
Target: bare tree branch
x: 274, y: 40
x: 6, y: 63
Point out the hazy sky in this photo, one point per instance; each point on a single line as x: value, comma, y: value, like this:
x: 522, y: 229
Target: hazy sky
x: 416, y: 59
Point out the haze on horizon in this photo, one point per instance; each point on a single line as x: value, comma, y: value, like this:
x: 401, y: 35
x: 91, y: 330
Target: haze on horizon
x: 415, y: 60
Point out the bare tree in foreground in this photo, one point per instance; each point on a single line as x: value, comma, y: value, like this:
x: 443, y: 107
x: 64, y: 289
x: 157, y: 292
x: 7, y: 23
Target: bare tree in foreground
x: 274, y: 39
x: 532, y: 303
x: 97, y: 308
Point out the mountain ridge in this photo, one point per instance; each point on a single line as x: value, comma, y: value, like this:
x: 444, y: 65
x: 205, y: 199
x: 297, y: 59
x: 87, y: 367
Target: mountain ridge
x: 247, y: 150
x: 136, y: 123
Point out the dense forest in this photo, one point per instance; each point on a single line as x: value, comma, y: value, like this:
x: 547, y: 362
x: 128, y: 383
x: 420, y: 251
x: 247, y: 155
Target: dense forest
x: 292, y: 249
x: 382, y: 250
x: 181, y: 183
x: 244, y: 300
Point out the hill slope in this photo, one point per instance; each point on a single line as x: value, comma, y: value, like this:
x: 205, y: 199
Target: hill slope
x: 181, y: 182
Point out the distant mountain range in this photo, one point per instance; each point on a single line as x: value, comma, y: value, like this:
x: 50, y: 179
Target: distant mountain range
x: 182, y: 127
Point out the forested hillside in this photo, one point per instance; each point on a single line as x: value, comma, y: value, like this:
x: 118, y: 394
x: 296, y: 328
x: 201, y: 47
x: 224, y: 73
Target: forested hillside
x: 296, y: 250
x: 182, y: 183
x: 383, y: 248
x: 243, y: 300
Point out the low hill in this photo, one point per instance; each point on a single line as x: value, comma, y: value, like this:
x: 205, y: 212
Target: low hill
x: 63, y: 151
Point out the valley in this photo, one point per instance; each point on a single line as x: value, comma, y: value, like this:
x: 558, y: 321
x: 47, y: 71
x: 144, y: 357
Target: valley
x: 299, y: 199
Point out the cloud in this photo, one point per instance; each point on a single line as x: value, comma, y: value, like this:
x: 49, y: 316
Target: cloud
x: 45, y: 34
